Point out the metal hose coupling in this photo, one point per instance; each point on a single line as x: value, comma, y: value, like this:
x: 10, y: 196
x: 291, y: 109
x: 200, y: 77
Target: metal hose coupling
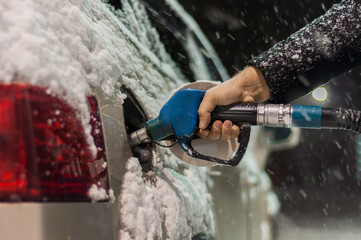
x: 274, y: 115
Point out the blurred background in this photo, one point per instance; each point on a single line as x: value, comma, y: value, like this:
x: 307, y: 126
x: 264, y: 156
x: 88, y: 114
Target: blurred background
x: 318, y: 182
x: 240, y: 29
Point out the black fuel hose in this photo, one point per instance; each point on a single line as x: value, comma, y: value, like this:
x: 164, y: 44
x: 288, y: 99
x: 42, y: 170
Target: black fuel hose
x: 341, y: 118
x: 286, y: 115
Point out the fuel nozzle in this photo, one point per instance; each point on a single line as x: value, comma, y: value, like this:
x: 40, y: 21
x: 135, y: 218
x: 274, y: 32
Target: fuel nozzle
x: 178, y: 119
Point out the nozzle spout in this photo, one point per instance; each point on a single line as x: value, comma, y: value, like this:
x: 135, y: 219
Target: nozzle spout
x: 138, y: 137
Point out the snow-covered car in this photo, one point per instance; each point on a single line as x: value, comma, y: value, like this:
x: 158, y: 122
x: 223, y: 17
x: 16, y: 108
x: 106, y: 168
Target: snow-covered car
x: 76, y: 78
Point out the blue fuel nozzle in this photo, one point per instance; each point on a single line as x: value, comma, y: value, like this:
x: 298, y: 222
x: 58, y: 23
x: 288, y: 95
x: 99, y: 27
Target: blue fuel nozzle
x: 179, y: 116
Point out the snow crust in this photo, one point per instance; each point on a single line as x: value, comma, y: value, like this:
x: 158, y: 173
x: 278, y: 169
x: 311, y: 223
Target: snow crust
x: 148, y: 208
x: 74, y: 46
x: 97, y: 193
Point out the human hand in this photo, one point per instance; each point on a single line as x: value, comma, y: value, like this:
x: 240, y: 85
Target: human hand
x: 248, y: 86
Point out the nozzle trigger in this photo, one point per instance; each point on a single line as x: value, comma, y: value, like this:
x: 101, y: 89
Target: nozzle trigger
x: 186, y: 143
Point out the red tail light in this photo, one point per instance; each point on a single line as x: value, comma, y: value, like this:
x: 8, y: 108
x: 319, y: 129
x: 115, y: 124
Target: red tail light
x: 44, y: 152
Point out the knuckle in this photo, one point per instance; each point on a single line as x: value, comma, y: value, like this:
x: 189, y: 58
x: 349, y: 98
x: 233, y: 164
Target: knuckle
x: 203, y: 133
x: 201, y: 111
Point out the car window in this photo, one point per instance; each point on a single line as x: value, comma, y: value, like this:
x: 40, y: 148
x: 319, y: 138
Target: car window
x: 136, y: 26
x: 172, y: 41
x: 196, y: 58
x: 116, y: 4
x: 191, y: 56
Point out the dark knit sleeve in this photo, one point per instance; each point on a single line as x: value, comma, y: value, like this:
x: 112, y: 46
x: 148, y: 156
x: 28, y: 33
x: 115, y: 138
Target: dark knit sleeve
x: 314, y: 54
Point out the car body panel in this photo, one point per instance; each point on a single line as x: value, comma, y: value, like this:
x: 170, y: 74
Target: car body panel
x: 58, y: 221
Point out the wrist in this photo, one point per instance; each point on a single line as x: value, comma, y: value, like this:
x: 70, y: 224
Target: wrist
x: 252, y: 85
